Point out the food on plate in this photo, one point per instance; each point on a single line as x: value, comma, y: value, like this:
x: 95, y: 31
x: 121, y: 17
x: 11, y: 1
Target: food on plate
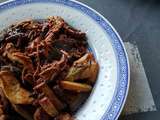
x: 46, y: 70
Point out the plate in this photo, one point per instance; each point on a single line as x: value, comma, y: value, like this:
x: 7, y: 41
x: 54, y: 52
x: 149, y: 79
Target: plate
x: 109, y: 94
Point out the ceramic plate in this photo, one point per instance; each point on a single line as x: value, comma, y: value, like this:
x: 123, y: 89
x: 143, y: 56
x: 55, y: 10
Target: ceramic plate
x: 110, y: 91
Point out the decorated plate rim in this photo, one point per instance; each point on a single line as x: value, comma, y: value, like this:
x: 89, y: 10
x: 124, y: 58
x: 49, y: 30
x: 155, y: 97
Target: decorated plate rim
x: 122, y: 86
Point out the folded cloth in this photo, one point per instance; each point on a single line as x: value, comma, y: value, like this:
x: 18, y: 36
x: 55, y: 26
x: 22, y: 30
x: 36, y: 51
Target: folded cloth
x: 140, y: 98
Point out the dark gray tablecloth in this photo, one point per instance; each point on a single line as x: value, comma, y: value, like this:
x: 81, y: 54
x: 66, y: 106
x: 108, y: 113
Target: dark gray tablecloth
x: 137, y: 21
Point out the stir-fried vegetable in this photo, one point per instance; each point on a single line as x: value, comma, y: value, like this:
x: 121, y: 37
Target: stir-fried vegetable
x: 40, y: 114
x: 48, y: 106
x: 85, y: 67
x: 77, y: 87
x: 12, y: 89
x: 46, y: 71
x: 43, y: 88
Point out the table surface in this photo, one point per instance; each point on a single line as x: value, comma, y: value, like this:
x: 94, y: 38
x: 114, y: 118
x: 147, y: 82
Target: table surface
x: 137, y: 21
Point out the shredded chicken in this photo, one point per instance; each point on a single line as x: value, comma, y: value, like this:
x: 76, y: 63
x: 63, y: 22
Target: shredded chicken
x: 46, y: 70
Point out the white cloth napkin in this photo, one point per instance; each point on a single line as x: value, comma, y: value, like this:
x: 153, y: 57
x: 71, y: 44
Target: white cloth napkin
x: 140, y: 98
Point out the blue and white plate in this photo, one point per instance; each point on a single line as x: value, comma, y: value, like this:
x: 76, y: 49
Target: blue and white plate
x: 108, y: 96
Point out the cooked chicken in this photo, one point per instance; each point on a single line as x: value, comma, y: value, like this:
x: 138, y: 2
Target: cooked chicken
x: 46, y: 71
